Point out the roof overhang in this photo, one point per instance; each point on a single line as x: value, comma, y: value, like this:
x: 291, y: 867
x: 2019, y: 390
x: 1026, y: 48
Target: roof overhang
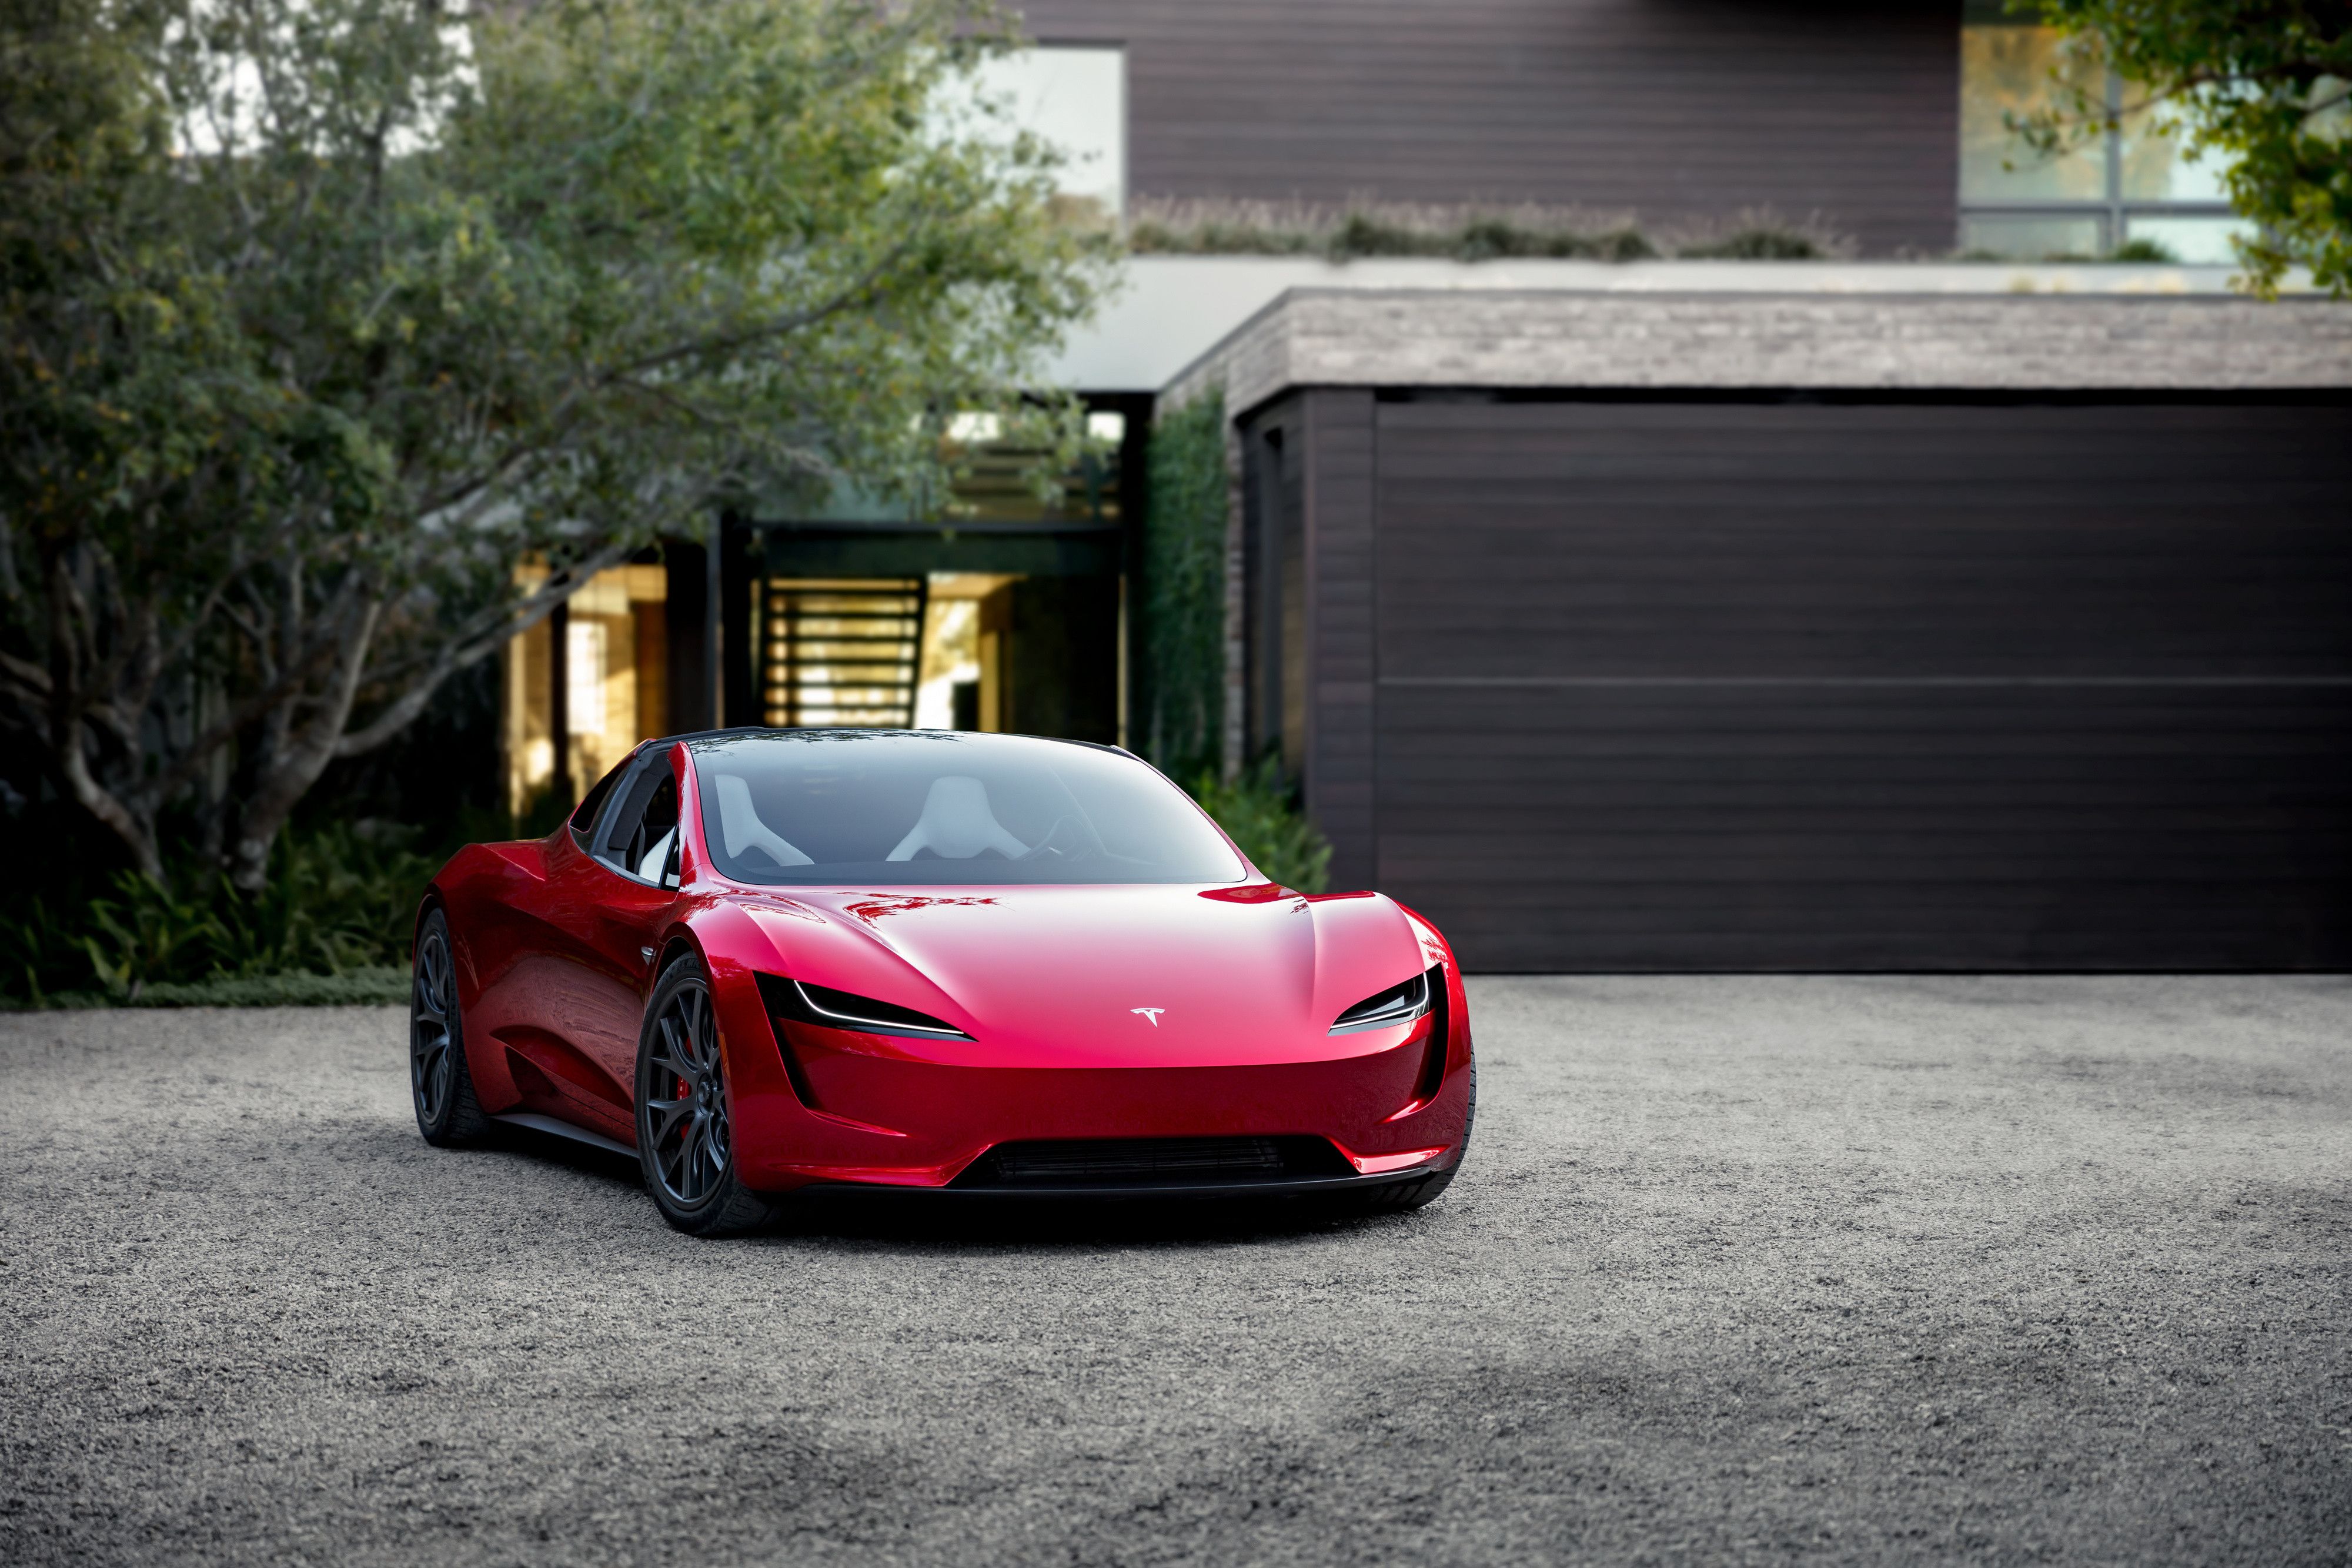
x: 1566, y: 338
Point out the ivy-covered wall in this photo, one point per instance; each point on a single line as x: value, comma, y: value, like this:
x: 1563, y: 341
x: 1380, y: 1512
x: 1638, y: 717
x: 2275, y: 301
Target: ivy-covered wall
x: 1181, y: 677
x: 1181, y: 674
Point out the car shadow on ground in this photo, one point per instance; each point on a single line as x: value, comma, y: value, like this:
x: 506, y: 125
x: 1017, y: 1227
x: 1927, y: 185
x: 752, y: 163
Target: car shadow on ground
x: 933, y: 1221
x: 930, y: 1220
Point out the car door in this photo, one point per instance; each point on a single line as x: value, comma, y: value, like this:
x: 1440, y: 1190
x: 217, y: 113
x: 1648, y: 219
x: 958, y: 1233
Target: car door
x: 617, y: 900
x: 563, y: 1004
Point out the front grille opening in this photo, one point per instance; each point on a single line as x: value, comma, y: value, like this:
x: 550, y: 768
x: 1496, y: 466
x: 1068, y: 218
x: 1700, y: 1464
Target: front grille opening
x: 1154, y: 1163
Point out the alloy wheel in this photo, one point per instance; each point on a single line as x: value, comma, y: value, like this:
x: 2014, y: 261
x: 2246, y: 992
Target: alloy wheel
x: 430, y: 1037
x: 689, y: 1131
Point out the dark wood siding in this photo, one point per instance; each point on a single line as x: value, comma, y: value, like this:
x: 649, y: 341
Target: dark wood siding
x: 1275, y: 586
x: 1337, y: 528
x: 1672, y: 107
x: 1733, y: 685
x: 1308, y: 609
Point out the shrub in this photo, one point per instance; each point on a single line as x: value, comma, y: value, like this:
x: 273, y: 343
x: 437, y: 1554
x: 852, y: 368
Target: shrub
x: 377, y: 985
x: 339, y: 900
x: 1362, y: 229
x: 1756, y: 244
x: 1261, y: 810
x: 1465, y: 232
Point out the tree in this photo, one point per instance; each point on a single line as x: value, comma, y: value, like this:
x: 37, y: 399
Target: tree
x: 325, y: 314
x: 127, y: 406
x: 2262, y: 85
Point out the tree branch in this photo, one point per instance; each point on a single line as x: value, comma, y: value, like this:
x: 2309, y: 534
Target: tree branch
x: 459, y: 653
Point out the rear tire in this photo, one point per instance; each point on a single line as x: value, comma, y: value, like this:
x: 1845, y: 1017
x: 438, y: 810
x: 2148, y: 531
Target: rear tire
x: 685, y: 1142
x: 440, y: 1085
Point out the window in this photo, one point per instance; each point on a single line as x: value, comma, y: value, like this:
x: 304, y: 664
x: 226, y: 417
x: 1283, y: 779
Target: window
x: 2134, y: 182
x: 943, y: 808
x: 1072, y: 98
x: 584, y: 678
x: 584, y: 816
x: 640, y: 836
x: 615, y: 667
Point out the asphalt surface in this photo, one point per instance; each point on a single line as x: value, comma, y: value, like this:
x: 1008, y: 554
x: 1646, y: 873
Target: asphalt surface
x: 1740, y: 1270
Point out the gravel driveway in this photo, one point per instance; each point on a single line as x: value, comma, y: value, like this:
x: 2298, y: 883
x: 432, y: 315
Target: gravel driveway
x: 1741, y: 1270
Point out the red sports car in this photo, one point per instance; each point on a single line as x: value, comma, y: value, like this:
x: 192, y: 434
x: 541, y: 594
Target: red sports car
x: 771, y: 962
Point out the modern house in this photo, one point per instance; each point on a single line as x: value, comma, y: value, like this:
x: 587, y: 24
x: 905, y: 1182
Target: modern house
x: 1931, y: 605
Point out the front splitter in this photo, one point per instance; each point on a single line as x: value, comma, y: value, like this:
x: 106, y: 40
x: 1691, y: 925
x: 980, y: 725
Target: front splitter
x: 1309, y: 1186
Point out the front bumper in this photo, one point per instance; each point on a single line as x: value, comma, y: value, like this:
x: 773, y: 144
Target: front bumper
x: 848, y: 1112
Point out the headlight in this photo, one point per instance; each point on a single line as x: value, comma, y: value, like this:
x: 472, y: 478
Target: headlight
x: 801, y: 1002
x: 1398, y: 1004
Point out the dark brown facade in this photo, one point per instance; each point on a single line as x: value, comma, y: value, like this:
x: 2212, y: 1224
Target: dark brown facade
x: 1767, y: 684
x: 1675, y: 108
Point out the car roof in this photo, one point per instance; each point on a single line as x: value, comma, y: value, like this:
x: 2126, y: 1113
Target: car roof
x: 702, y: 740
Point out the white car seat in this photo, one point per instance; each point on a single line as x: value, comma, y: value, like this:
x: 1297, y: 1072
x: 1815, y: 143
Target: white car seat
x: 957, y: 824
x: 650, y: 868
x: 741, y: 828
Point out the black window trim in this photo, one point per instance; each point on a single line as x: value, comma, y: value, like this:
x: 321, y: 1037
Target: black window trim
x: 653, y: 754
x: 593, y: 805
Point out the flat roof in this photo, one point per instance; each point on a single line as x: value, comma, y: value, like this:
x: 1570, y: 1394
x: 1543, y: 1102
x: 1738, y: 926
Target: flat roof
x: 1728, y: 340
x: 1169, y: 311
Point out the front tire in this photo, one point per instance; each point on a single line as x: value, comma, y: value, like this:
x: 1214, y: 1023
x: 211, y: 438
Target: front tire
x: 685, y: 1124
x: 439, y: 1082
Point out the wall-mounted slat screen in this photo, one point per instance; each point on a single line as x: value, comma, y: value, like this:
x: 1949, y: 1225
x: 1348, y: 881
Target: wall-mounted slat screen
x: 840, y: 652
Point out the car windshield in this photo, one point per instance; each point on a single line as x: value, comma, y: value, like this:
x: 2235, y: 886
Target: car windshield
x: 945, y: 807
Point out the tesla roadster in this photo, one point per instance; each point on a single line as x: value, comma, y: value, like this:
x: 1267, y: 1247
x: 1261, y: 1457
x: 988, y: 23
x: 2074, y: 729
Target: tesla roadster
x: 781, y: 962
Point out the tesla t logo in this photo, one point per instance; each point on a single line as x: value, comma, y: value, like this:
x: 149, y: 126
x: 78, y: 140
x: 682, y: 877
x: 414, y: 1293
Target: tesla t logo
x: 1151, y: 1015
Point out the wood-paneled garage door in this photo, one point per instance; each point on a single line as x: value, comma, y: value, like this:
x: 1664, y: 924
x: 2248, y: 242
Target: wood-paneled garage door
x: 1743, y: 685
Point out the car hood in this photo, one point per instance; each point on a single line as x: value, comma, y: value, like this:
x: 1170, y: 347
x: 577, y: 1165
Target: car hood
x: 1104, y: 976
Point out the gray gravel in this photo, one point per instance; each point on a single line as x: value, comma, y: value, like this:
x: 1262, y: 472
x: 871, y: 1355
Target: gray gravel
x: 1741, y: 1270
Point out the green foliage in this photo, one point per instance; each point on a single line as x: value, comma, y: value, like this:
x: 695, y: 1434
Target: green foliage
x: 1462, y: 233
x: 322, y: 314
x: 41, y: 950
x: 1261, y: 810
x: 381, y: 984
x: 2133, y: 250
x: 1184, y: 589
x: 1183, y: 623
x: 1757, y: 244
x: 372, y: 985
x: 146, y: 932
x: 2262, y: 86
x: 1256, y: 229
x: 339, y: 900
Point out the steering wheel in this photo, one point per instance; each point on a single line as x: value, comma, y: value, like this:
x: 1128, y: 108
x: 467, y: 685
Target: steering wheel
x: 1070, y: 840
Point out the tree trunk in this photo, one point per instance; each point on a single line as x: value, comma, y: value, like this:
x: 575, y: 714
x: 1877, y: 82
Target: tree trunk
x: 136, y: 830
x: 298, y: 756
x: 287, y: 759
x: 68, y: 725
